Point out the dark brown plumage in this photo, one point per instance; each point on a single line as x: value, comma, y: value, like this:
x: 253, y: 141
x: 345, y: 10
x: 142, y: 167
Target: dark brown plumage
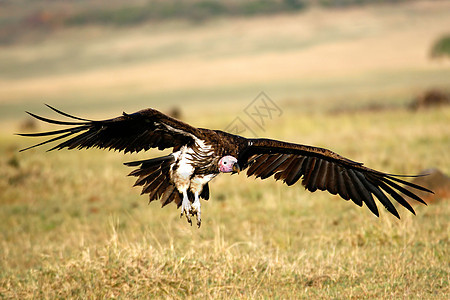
x: 201, y: 154
x: 325, y: 170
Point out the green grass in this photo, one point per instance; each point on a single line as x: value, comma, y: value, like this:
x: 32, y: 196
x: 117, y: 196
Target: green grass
x: 72, y: 226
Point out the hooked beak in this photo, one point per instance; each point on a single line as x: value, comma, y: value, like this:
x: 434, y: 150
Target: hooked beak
x: 236, y: 168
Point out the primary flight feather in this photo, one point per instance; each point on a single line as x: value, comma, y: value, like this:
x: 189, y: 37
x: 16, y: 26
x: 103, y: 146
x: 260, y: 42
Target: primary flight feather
x: 201, y: 154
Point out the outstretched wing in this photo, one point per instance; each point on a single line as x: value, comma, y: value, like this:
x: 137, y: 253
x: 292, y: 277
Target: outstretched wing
x: 322, y: 169
x: 142, y: 130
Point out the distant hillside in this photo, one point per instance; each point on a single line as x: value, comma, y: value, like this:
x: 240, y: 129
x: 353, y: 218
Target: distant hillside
x: 18, y: 17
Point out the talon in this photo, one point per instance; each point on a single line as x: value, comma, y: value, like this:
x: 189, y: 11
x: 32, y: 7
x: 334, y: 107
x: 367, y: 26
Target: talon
x: 199, y: 219
x: 186, y: 208
x: 188, y: 218
x: 196, y: 207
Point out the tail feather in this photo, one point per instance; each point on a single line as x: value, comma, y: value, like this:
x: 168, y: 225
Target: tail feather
x: 153, y: 176
x: 168, y: 195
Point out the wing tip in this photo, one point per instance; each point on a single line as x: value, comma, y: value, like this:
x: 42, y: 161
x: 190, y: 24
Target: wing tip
x: 395, y: 213
x: 27, y: 148
x: 132, y: 163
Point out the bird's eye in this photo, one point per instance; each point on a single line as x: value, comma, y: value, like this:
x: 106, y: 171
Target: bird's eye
x: 224, y: 162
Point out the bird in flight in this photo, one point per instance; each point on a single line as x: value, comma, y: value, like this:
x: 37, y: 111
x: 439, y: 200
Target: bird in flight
x: 201, y: 154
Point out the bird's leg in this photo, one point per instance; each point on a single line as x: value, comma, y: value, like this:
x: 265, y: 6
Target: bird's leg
x: 196, y: 209
x: 186, y: 207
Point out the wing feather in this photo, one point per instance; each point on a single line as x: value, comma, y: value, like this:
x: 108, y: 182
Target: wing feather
x: 405, y: 191
x: 49, y: 141
x: 351, y: 189
x: 66, y: 114
x: 257, y: 163
x: 322, y: 169
x: 142, y: 130
x: 394, y: 195
x: 293, y: 172
x: 342, y: 189
x: 322, y: 175
x: 269, y: 171
x: 312, y: 171
x: 267, y: 164
x: 364, y: 190
x: 330, y: 180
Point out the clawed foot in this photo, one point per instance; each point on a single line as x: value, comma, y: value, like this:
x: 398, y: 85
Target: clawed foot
x: 189, y: 210
x: 186, y: 209
x: 195, y: 210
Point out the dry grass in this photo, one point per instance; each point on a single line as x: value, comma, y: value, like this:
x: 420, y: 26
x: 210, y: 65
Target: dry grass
x: 73, y: 228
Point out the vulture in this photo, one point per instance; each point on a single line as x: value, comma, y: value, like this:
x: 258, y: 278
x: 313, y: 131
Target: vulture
x: 200, y: 154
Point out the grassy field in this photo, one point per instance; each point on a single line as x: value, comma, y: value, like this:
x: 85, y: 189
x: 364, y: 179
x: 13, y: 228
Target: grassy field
x: 72, y: 226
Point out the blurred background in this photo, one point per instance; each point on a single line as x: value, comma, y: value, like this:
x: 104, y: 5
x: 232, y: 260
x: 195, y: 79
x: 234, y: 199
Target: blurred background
x: 369, y: 79
x: 109, y: 56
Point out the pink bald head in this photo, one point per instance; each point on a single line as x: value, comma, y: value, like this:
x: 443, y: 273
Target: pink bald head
x: 226, y: 164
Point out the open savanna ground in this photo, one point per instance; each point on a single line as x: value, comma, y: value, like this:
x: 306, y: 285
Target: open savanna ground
x: 72, y: 226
